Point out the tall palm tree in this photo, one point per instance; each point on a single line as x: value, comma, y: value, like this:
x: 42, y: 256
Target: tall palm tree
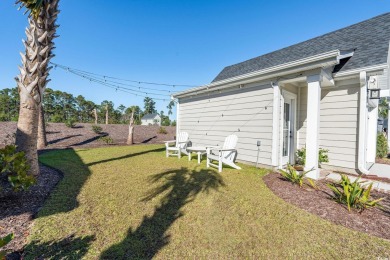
x: 34, y: 73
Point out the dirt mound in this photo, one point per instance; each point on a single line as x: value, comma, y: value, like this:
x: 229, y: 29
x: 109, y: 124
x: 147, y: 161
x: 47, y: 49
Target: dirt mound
x: 61, y: 136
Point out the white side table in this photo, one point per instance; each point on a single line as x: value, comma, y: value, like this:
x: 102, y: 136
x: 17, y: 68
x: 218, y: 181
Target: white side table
x: 200, y: 150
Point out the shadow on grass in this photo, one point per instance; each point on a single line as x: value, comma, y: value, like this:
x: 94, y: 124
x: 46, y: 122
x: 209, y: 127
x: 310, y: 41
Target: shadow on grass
x: 67, y: 248
x: 76, y: 173
x: 127, y: 156
x: 180, y: 187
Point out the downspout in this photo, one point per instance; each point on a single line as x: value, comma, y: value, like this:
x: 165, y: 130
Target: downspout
x: 362, y: 124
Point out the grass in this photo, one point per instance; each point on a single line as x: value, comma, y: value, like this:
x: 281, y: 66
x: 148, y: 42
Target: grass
x: 132, y: 202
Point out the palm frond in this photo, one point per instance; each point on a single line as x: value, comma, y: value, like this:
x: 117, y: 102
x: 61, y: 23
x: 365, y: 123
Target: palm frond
x: 33, y: 7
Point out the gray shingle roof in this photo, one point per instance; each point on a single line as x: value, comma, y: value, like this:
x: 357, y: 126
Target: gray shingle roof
x: 369, y: 38
x: 149, y: 116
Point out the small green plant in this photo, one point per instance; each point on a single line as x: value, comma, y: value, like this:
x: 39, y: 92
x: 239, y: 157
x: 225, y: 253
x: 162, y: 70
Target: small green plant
x: 14, y: 164
x: 3, y: 242
x: 106, y: 139
x: 295, y: 177
x: 301, y: 156
x: 381, y: 146
x: 322, y: 156
x: 353, y: 194
x: 70, y: 123
x: 162, y: 130
x: 96, y: 129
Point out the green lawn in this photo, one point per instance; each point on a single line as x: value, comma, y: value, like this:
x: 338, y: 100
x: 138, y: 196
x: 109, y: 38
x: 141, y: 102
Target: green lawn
x: 132, y: 202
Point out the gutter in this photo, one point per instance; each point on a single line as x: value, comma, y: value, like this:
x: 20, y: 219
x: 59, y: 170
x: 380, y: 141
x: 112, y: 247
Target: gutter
x: 323, y: 60
x: 376, y: 69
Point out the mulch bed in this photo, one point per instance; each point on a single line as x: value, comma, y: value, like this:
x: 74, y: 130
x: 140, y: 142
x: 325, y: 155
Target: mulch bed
x: 374, y: 221
x: 81, y: 136
x: 17, y: 210
x: 383, y: 160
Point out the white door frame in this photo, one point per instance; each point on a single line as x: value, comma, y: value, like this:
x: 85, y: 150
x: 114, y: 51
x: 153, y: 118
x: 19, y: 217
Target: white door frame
x: 292, y: 98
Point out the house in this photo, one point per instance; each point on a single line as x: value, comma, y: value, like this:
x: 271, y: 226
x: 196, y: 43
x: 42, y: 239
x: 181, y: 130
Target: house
x: 151, y: 119
x: 319, y: 93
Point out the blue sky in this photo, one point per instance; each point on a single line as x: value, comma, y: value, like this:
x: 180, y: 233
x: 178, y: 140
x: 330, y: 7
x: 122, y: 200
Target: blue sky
x: 170, y: 41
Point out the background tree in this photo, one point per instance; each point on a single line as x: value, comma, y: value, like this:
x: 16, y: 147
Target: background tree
x: 34, y: 73
x: 165, y: 121
x: 149, y: 106
x: 170, y: 106
x: 138, y: 114
x: 9, y: 104
x: 383, y: 108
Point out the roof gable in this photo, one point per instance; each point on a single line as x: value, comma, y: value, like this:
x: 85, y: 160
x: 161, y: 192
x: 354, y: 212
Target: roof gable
x: 150, y: 116
x: 369, y: 39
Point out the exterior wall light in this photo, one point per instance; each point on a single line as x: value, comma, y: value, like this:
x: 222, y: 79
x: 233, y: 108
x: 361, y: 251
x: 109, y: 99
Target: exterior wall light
x: 375, y: 93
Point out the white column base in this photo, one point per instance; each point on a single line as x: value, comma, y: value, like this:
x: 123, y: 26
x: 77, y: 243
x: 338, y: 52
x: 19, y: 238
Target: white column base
x: 314, y: 174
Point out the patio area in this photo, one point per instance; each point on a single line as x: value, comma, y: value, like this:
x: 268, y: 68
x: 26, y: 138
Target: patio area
x: 141, y: 204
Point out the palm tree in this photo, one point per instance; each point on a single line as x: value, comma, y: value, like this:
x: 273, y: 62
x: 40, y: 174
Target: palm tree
x: 34, y: 73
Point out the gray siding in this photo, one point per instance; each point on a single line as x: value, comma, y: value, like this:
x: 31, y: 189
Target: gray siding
x: 383, y: 81
x: 339, y: 117
x: 245, y: 112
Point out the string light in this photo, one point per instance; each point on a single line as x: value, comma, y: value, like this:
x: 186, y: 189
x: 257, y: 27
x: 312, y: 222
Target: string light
x: 121, y: 79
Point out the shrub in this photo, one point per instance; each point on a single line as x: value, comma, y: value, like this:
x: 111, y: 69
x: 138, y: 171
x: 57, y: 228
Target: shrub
x: 97, y: 129
x: 381, y: 146
x: 295, y: 177
x: 106, y: 139
x: 353, y: 194
x: 301, y: 156
x: 322, y: 156
x: 162, y: 130
x: 3, y: 242
x: 70, y: 123
x: 14, y: 165
x: 173, y: 123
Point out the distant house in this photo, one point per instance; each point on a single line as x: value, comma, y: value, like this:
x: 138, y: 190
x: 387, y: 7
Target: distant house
x: 320, y: 93
x: 151, y: 119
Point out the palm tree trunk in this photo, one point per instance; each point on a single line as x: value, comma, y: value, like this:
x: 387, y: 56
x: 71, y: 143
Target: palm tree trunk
x: 96, y: 116
x: 131, y: 129
x: 33, y: 78
x: 42, y: 141
x: 106, y: 115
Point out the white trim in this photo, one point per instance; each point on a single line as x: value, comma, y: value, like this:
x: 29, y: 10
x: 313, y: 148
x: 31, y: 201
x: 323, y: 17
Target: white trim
x: 362, y: 124
x: 177, y: 120
x: 293, y: 108
x: 313, y: 124
x: 359, y: 70
x: 289, y: 65
x: 275, y: 124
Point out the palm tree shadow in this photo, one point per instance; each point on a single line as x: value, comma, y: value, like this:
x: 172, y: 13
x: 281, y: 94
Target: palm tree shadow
x: 74, y: 177
x: 68, y: 248
x: 180, y: 187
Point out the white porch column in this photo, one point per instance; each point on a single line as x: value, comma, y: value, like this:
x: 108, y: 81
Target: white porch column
x: 313, y: 125
x: 275, y: 125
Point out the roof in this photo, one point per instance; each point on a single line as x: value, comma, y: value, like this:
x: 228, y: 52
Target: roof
x: 369, y: 38
x: 150, y: 116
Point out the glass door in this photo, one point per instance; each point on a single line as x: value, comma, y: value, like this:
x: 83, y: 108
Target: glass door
x: 287, y: 131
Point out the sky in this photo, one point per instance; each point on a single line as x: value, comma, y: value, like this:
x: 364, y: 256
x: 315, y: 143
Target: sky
x: 170, y: 41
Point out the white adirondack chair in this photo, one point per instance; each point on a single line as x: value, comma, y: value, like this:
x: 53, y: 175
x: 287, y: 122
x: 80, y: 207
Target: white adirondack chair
x: 225, y: 155
x: 179, y: 147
